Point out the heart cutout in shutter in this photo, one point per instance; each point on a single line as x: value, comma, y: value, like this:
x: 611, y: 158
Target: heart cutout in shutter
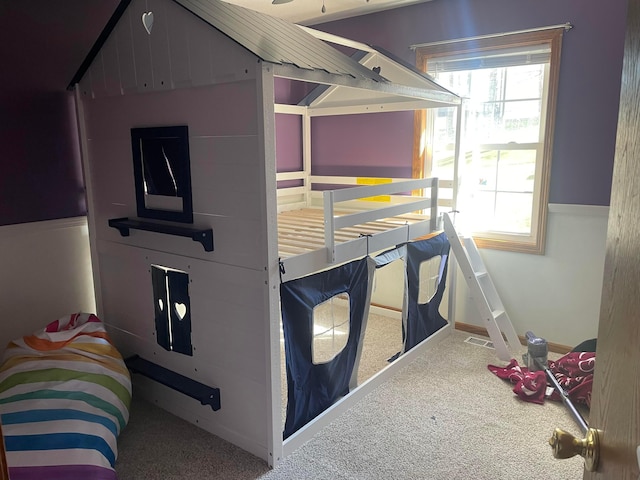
x: 181, y: 309
x: 147, y: 21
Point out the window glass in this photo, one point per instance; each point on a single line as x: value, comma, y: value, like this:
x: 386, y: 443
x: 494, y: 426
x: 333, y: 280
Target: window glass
x: 508, y: 86
x: 443, y: 151
x: 525, y: 81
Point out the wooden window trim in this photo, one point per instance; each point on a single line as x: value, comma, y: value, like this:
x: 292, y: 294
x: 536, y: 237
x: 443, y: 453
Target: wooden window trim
x: 534, y: 244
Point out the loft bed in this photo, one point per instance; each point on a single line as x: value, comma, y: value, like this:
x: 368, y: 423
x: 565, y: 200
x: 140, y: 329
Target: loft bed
x: 326, y: 223
x: 205, y: 65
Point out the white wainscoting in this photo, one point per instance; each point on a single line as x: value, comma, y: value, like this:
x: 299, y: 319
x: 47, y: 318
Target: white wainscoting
x: 45, y: 274
x: 555, y: 295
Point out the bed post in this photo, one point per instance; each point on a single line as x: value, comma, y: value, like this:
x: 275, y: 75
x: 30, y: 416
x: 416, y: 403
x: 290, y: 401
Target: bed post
x: 306, y: 156
x: 329, y: 225
x: 433, y: 224
x: 456, y: 156
x: 88, y: 182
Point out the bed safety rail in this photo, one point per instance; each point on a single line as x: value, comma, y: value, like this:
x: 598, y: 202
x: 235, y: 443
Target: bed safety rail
x: 376, y: 241
x: 354, y: 221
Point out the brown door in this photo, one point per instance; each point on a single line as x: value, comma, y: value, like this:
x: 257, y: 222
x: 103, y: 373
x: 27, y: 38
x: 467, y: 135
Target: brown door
x: 615, y: 408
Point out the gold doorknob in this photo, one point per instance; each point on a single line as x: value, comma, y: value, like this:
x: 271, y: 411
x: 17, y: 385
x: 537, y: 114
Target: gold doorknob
x: 566, y: 445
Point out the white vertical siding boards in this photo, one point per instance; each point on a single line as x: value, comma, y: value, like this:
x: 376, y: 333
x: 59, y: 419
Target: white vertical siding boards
x: 208, y: 65
x: 126, y: 56
x: 182, y: 51
x: 228, y: 296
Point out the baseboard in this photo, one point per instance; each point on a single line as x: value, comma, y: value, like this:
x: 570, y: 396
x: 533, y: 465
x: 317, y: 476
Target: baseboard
x: 467, y: 327
x: 476, y: 330
x: 385, y: 311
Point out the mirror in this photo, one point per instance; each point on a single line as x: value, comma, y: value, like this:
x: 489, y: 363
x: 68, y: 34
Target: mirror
x: 162, y: 173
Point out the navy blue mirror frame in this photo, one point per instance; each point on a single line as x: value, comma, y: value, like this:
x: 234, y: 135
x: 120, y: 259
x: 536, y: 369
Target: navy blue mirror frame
x: 184, y: 179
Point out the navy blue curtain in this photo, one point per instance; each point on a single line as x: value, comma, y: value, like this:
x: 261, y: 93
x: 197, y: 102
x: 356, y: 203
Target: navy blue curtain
x: 384, y: 259
x: 422, y: 320
x: 312, y: 388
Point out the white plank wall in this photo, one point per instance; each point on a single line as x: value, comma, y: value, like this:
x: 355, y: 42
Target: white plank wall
x: 141, y: 45
x: 159, y: 45
x: 125, y: 74
x: 200, y: 58
x: 226, y: 334
x: 133, y: 83
x: 182, y: 51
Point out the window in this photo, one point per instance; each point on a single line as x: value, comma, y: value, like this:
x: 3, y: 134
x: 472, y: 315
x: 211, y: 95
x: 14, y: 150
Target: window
x: 162, y: 173
x: 508, y: 84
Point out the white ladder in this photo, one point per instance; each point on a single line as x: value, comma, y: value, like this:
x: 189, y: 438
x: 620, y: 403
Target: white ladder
x: 484, y: 293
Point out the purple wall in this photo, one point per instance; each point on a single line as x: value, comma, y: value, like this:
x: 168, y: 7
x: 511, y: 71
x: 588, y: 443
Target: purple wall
x: 589, y: 89
x: 42, y: 43
x: 41, y: 173
x: 289, y: 142
x: 363, y: 145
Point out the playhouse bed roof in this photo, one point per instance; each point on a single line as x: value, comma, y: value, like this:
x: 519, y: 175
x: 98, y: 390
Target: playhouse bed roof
x: 403, y: 80
x: 304, y: 54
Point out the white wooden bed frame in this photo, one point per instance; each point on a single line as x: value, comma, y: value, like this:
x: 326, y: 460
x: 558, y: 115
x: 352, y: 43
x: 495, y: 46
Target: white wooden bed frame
x: 134, y: 68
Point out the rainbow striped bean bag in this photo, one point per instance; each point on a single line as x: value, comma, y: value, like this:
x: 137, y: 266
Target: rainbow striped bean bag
x: 64, y: 399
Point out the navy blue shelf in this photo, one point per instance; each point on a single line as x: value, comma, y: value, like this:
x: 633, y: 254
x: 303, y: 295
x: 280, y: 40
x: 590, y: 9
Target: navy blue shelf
x: 204, y: 236
x: 203, y: 393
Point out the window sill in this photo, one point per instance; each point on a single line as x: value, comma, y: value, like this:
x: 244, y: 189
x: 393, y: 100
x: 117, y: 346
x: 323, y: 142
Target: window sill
x: 531, y: 247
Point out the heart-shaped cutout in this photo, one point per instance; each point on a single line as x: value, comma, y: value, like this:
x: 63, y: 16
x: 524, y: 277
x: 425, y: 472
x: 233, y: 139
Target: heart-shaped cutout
x: 181, y: 309
x: 161, y: 304
x: 147, y: 21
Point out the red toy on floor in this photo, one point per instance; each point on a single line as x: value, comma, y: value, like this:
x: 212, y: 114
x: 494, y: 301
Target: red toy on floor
x: 574, y: 373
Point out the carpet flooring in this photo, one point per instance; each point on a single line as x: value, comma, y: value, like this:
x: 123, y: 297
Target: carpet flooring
x: 444, y: 416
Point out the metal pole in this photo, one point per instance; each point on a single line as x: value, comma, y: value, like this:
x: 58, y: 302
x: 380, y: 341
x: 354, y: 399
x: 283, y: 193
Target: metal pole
x: 565, y: 398
x: 567, y: 26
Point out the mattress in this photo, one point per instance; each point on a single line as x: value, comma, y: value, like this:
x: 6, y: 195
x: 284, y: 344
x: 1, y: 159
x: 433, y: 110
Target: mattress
x: 64, y: 399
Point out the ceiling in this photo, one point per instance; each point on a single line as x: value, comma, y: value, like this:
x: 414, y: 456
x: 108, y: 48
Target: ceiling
x: 309, y: 12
